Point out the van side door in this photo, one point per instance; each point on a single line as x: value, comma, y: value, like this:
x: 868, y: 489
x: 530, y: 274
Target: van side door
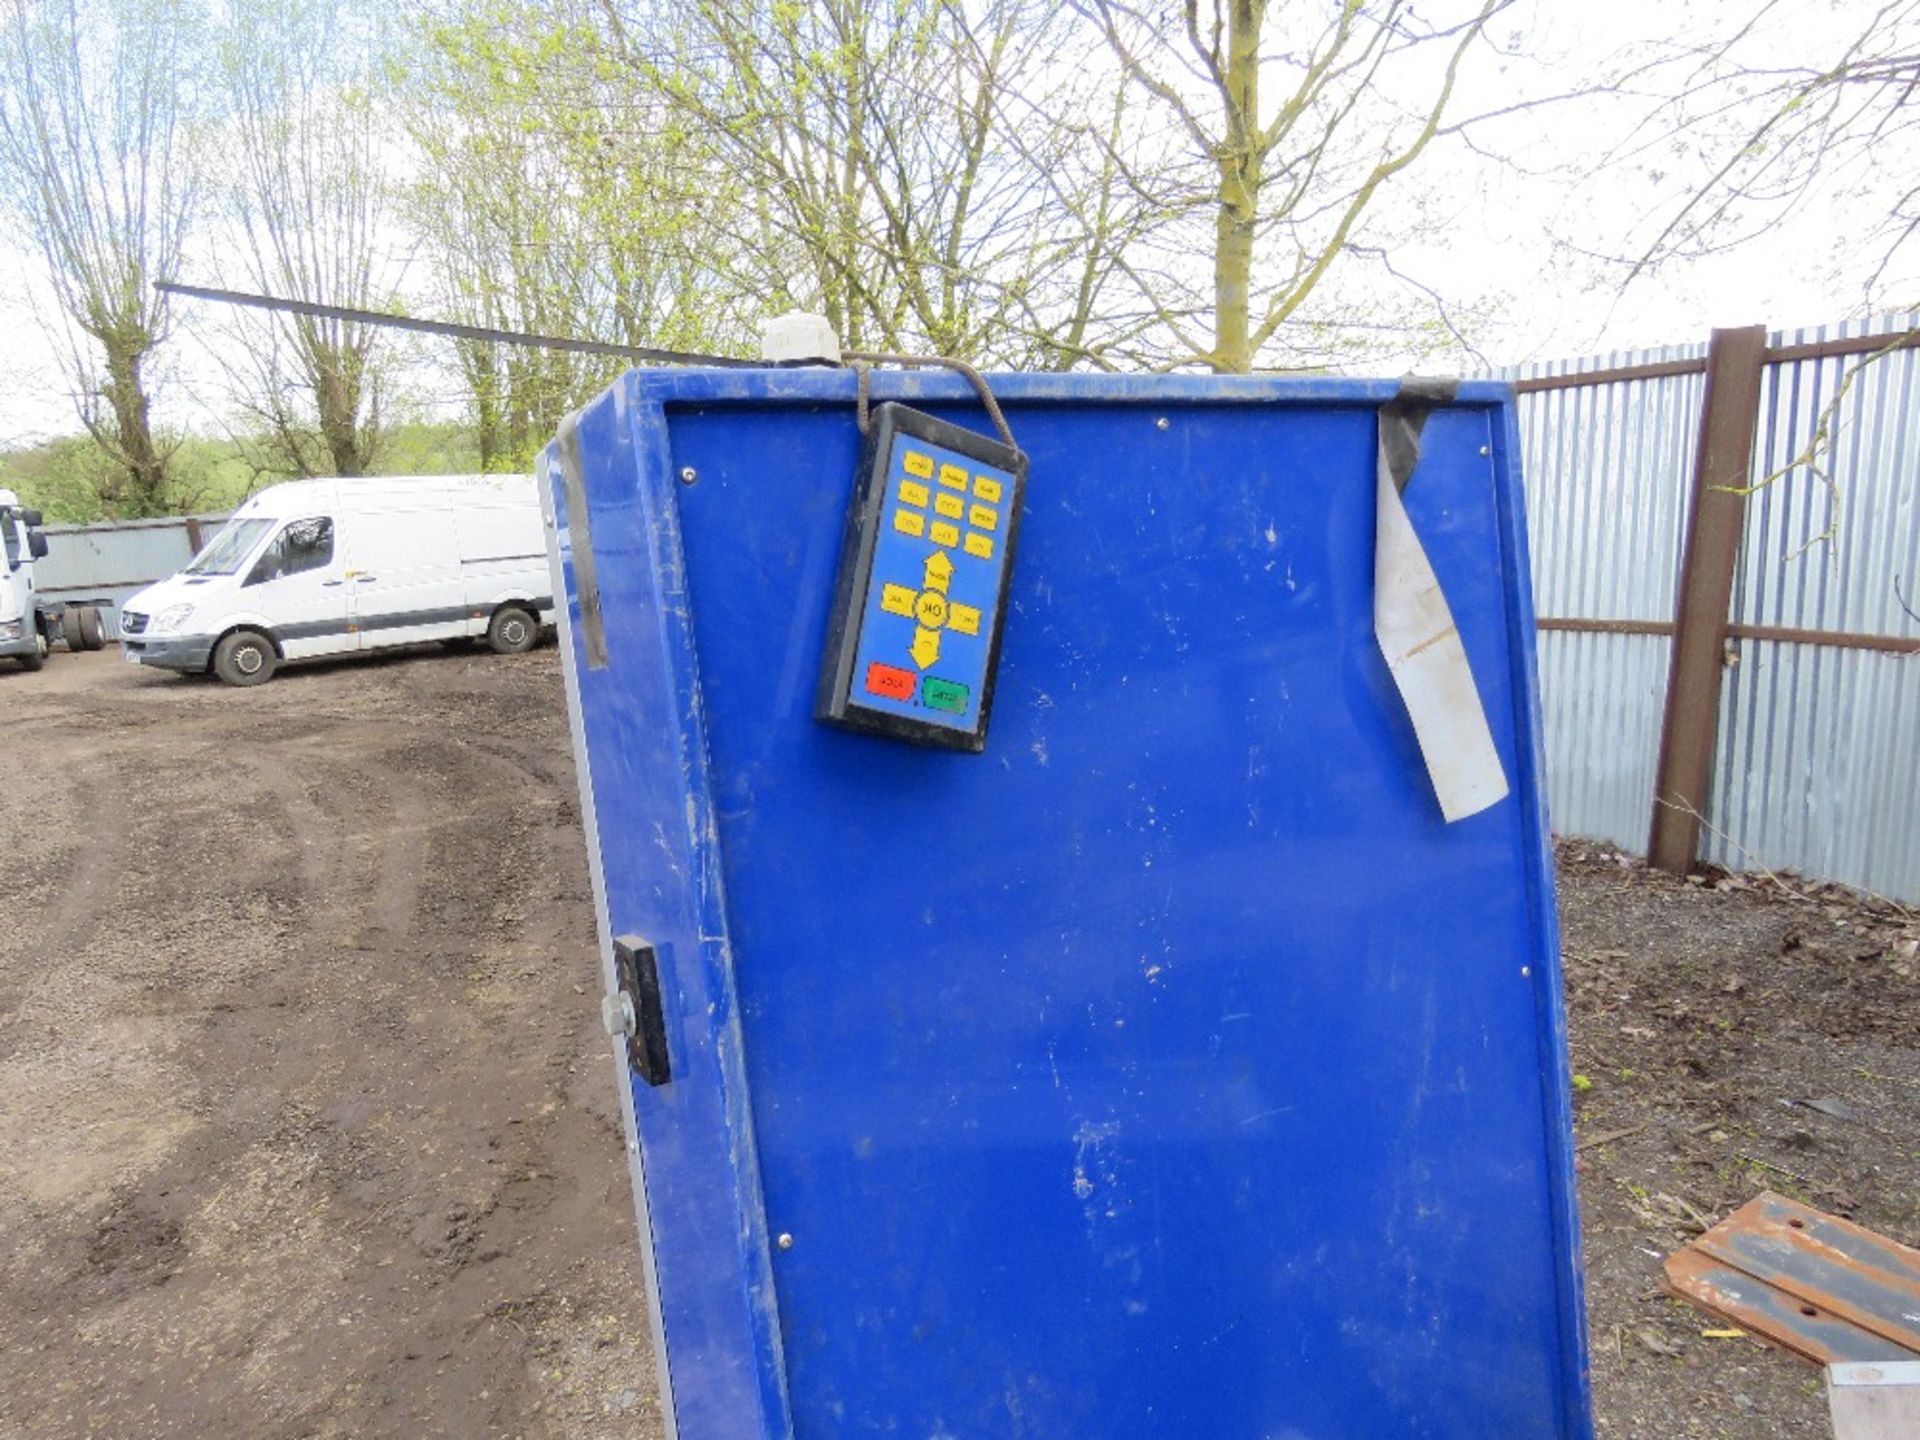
x: 503, y: 555
x: 403, y: 575
x: 297, y: 587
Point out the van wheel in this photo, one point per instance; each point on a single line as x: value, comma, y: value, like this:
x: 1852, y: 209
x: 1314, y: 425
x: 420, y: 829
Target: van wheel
x: 512, y: 631
x: 245, y: 658
x: 93, y: 630
x: 38, y: 656
x: 70, y: 630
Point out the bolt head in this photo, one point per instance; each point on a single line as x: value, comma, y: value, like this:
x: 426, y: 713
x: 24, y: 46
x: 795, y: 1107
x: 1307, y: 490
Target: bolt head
x: 616, y: 1013
x: 1163, y: 423
x: 688, y: 474
x: 785, y: 1241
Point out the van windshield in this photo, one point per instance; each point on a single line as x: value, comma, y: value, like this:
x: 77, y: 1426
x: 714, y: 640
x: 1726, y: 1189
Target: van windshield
x: 230, y: 547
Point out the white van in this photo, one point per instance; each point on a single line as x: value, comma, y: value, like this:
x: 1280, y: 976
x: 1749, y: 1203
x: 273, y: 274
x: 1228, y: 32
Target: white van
x: 329, y: 567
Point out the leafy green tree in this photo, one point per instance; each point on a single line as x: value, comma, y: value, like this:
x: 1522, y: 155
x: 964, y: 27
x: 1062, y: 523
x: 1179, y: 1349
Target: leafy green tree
x: 555, y: 195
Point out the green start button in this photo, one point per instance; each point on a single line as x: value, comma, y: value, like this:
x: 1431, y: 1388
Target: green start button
x: 938, y: 694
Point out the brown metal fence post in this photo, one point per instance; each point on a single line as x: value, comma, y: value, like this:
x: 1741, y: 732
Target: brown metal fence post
x: 193, y: 534
x: 1729, y: 415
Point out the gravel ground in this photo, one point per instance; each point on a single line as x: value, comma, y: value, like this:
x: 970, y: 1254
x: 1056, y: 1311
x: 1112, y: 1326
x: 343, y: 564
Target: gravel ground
x: 309, y: 1130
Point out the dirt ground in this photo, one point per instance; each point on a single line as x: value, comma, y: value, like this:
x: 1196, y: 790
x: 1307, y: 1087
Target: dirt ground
x: 307, y: 1126
x: 307, y: 1122
x: 1705, y: 1015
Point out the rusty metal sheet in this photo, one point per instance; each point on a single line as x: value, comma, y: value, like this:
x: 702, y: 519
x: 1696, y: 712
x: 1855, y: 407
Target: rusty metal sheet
x: 1773, y: 1314
x: 1841, y: 1267
x: 1822, y: 1287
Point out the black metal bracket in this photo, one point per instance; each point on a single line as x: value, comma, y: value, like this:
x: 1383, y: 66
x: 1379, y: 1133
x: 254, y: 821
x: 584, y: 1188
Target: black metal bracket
x: 637, y: 971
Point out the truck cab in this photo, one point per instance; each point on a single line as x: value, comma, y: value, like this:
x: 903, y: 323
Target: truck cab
x: 24, y: 633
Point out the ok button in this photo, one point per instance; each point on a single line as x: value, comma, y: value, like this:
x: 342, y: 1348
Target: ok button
x: 930, y: 609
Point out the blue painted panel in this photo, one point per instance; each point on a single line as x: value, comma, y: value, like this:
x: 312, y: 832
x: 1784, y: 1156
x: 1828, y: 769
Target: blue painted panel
x: 1169, y: 1069
x: 650, y: 836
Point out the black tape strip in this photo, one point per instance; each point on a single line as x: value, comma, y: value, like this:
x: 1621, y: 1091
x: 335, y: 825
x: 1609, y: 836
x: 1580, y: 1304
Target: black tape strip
x: 586, y: 578
x: 1404, y: 418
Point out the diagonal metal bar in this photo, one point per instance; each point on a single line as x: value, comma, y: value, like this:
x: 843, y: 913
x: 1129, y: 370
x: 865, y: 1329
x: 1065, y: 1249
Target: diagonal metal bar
x: 448, y: 328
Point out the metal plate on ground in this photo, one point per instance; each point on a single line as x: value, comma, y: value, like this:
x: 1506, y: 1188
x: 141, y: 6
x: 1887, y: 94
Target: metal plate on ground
x: 1820, y: 1286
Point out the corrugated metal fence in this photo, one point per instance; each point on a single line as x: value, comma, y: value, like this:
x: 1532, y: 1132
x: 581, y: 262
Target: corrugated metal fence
x: 1606, y: 469
x: 1817, y: 757
x: 112, y: 560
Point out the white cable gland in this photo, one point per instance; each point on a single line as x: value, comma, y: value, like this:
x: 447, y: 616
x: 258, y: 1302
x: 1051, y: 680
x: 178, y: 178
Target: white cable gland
x: 798, y: 335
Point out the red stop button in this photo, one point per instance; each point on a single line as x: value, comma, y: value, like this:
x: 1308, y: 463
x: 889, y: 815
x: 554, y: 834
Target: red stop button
x: 890, y: 681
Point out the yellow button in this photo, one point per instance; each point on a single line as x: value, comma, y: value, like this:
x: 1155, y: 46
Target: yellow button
x: 976, y: 545
x: 897, y: 600
x: 944, y: 534
x: 918, y: 464
x: 987, y: 490
x: 931, y: 609
x: 912, y: 492
x: 963, y: 618
x: 908, y: 523
x: 953, y: 477
x: 983, y: 517
x: 951, y: 506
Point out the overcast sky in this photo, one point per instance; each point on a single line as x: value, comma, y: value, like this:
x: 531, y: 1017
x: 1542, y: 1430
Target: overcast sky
x: 1504, y: 240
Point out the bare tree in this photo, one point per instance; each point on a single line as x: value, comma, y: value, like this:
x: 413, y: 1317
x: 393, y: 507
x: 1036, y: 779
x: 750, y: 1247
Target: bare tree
x: 1781, y: 115
x: 1010, y: 181
x: 95, y: 100
x: 919, y: 172
x: 1270, y: 183
x: 309, y: 193
x: 1747, y: 126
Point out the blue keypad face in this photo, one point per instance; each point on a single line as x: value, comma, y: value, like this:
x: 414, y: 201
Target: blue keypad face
x: 933, y: 598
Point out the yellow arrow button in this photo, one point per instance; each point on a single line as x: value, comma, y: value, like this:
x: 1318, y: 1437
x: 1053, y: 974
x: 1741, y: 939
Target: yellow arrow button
x: 896, y: 600
x: 926, y: 647
x: 963, y: 618
x: 939, y: 571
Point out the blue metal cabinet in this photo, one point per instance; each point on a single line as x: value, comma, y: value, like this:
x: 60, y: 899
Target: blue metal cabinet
x: 1169, y: 1069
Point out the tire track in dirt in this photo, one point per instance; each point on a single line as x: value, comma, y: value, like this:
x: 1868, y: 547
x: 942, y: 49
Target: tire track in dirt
x: 366, y: 953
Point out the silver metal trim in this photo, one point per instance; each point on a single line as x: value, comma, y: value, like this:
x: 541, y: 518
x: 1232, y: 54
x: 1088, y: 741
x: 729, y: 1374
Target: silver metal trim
x: 589, y: 819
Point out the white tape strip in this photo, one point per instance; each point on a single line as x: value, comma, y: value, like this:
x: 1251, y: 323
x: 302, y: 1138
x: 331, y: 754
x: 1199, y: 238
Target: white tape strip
x: 1429, y: 664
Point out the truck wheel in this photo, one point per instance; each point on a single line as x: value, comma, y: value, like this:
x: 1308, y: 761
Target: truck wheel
x: 38, y: 656
x: 93, y: 630
x: 70, y: 629
x: 245, y: 658
x: 512, y: 631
